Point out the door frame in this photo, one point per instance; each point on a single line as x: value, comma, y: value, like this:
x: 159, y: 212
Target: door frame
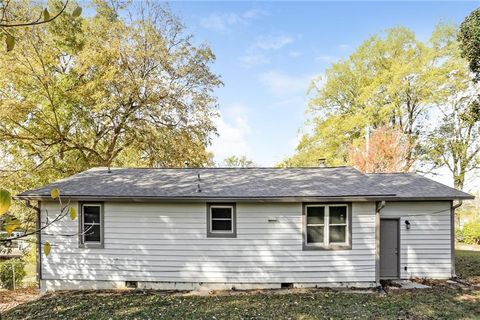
x: 399, y: 255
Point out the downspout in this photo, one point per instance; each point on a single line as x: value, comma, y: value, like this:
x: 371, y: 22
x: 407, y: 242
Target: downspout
x: 39, y: 238
x: 452, y: 234
x: 379, y: 206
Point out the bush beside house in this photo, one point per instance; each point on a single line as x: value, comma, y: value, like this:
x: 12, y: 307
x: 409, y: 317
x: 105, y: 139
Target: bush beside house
x: 470, y: 233
x: 12, y: 272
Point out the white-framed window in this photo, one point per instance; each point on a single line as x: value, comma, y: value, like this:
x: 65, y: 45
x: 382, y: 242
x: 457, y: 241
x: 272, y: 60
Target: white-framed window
x: 91, y: 225
x: 221, y: 220
x: 327, y: 226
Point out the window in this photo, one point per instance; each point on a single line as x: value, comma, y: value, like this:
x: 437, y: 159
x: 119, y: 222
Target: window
x: 91, y: 225
x: 221, y: 220
x: 327, y: 226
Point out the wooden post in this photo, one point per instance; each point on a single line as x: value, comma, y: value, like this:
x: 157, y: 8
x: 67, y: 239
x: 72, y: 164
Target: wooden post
x: 13, y: 274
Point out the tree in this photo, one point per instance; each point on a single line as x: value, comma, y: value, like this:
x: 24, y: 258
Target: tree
x: 12, y: 18
x: 238, y: 162
x: 455, y: 143
x: 392, y: 80
x: 105, y: 90
x: 10, y: 223
x: 469, y: 38
x: 385, y: 150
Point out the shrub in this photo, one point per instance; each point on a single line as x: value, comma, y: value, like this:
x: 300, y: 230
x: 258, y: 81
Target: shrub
x: 12, y: 273
x: 458, y: 235
x: 471, y: 233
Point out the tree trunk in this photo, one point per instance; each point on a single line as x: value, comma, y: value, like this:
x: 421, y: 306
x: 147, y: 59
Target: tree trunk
x: 459, y: 179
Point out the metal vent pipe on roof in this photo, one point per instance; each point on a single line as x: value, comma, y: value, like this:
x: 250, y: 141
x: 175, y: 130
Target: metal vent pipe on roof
x: 322, y: 162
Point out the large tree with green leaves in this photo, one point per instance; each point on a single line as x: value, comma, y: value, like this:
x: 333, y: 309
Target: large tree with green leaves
x: 391, y: 80
x: 124, y: 87
x: 469, y: 38
x: 455, y: 142
x: 18, y: 14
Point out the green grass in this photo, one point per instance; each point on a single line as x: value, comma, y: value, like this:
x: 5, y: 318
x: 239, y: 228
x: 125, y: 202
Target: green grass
x: 426, y: 304
x: 467, y: 265
x: 439, y: 302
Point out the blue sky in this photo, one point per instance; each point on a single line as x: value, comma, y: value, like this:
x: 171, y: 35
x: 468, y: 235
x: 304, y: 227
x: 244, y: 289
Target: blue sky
x: 267, y: 53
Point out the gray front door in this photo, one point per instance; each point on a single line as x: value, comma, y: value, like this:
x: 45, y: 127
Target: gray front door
x: 389, y: 249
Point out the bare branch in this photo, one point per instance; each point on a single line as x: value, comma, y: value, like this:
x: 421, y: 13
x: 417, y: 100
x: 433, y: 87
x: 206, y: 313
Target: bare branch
x: 33, y: 23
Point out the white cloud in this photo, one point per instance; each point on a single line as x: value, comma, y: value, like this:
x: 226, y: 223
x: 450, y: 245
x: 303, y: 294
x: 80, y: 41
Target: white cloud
x: 273, y: 42
x: 295, y: 54
x: 223, y: 21
x: 343, y: 46
x: 254, y: 13
x: 254, y: 59
x: 282, y: 85
x: 326, y: 58
x: 255, y: 55
x: 233, y: 133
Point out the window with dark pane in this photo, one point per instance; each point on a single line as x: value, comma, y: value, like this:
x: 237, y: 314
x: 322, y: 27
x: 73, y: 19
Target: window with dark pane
x: 92, y: 233
x: 221, y: 219
x: 315, y: 234
x: 338, y: 234
x: 337, y: 224
x: 326, y: 225
x: 338, y: 215
x: 92, y: 223
x: 221, y: 213
x: 315, y: 224
x: 315, y: 215
x: 221, y: 225
x: 91, y: 214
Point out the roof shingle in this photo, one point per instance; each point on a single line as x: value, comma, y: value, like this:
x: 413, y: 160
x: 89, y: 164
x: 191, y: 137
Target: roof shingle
x: 243, y: 183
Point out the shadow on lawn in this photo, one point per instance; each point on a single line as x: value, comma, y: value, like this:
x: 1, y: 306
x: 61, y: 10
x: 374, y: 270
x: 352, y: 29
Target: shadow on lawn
x: 438, y: 302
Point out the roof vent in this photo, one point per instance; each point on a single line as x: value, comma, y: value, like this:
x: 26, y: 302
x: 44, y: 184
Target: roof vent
x: 198, y: 188
x: 322, y: 162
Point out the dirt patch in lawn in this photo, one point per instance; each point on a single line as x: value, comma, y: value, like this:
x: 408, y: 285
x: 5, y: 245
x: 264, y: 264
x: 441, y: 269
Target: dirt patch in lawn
x: 12, y: 298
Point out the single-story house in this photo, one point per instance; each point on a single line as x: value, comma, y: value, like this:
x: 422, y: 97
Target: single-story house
x: 244, y: 228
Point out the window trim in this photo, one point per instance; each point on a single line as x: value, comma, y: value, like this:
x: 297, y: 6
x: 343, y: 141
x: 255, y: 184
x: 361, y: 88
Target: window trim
x: 81, y: 239
x: 347, y: 245
x: 221, y: 234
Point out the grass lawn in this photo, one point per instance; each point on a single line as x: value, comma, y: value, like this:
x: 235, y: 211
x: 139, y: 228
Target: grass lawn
x: 467, y: 265
x: 439, y: 302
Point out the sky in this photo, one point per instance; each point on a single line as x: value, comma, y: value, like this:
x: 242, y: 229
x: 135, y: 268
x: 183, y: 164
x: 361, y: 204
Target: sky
x: 267, y: 53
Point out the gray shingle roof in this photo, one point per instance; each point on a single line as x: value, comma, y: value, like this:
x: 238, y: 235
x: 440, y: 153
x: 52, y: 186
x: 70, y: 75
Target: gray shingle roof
x: 307, y: 184
x: 412, y: 185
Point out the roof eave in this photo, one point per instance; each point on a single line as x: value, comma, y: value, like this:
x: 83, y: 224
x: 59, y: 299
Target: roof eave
x: 347, y: 198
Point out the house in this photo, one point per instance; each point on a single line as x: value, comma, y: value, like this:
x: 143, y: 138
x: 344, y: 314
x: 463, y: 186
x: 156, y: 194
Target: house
x: 245, y: 228
x: 13, y: 249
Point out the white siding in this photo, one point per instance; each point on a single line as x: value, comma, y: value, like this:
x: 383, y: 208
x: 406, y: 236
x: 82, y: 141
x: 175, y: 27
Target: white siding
x: 426, y: 246
x: 167, y: 242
